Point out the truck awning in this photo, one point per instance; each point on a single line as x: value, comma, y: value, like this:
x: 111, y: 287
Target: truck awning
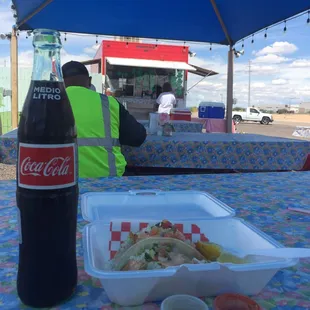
x: 133, y: 62
x: 202, y: 72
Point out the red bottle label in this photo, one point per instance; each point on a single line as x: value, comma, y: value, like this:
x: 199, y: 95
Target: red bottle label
x: 46, y: 166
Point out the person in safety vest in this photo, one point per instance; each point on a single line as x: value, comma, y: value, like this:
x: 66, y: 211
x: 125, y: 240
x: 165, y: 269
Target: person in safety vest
x: 103, y: 125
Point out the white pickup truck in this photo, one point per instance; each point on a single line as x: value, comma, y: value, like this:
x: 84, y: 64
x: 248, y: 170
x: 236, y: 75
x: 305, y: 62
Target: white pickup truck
x: 252, y: 115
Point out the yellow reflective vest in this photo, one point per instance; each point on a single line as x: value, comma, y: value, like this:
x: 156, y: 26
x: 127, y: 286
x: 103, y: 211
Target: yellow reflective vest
x: 97, y: 121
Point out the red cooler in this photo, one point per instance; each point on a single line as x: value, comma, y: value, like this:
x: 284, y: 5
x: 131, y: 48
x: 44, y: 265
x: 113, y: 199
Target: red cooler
x: 181, y: 115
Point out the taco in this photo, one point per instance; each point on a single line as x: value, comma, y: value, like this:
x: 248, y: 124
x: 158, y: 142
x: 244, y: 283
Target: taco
x: 162, y: 229
x: 157, y: 253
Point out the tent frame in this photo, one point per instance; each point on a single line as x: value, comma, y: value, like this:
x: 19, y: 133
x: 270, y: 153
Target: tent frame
x: 230, y: 70
x: 14, y: 79
x: 36, y: 11
x: 14, y: 65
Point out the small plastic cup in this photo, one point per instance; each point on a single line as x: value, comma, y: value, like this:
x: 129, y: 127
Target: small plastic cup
x: 183, y: 302
x: 235, y: 302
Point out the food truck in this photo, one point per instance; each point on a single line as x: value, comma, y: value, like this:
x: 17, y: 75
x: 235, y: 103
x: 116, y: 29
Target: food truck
x: 135, y: 73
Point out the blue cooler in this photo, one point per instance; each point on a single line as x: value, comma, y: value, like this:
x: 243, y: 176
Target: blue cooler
x: 211, y: 110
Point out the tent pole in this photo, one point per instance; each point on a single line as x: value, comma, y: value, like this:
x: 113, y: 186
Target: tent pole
x: 230, y: 69
x: 14, y: 79
x: 230, y: 81
x: 219, y: 17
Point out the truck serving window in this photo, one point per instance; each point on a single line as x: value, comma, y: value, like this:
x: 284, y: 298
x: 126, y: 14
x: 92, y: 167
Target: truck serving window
x: 139, y: 81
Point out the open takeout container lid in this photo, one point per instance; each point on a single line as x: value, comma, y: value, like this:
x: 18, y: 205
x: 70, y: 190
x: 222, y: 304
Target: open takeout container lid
x: 152, y: 205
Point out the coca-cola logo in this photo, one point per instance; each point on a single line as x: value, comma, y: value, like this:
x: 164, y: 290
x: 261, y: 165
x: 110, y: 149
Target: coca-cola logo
x: 46, y: 166
x: 56, y: 166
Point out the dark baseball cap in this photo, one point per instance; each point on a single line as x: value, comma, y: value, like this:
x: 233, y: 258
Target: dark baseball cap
x: 74, y: 68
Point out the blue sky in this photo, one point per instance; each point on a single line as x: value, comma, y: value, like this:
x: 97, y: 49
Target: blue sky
x: 280, y: 63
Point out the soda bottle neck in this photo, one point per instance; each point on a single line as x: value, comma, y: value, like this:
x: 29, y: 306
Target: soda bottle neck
x: 46, y: 65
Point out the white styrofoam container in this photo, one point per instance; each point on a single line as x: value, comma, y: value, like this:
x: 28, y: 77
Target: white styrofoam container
x: 146, y: 205
x: 136, y: 287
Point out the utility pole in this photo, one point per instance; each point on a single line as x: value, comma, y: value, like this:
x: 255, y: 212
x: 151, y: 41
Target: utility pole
x: 249, y: 91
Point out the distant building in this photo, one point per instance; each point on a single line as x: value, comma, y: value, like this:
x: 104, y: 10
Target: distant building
x: 270, y: 107
x: 304, y: 107
x: 294, y: 108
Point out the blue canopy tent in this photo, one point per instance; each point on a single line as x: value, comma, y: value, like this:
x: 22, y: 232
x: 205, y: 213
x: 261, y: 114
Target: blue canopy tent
x: 214, y: 21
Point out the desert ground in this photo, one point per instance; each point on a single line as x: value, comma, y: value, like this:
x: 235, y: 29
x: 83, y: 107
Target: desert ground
x: 293, y: 118
x: 283, y: 126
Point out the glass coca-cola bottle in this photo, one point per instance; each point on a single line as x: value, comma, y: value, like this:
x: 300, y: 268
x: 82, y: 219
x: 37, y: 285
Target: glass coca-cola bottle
x: 47, y: 188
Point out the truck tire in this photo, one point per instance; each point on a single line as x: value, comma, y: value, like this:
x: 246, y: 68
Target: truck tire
x: 237, y: 119
x: 265, y: 120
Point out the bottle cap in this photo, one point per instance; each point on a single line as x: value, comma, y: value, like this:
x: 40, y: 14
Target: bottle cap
x: 183, y: 302
x: 235, y: 302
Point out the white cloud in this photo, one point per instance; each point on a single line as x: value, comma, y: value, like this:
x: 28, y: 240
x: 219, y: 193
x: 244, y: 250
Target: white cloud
x: 300, y: 63
x: 215, y: 64
x: 304, y: 91
x: 271, y: 59
x: 279, y: 82
x: 272, y: 83
x: 214, y: 85
x: 65, y: 57
x: 278, y: 48
x: 296, y: 75
x: 213, y: 88
x: 7, y: 21
x: 256, y: 69
x: 258, y: 85
x: 262, y: 70
x: 25, y: 58
x: 92, y: 49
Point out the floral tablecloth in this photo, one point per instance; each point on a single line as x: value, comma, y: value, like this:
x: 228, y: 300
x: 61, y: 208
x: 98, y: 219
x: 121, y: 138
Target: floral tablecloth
x: 203, y: 151
x: 214, y: 124
x: 219, y: 151
x: 180, y: 126
x: 200, y: 120
x: 262, y: 199
x: 218, y: 125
